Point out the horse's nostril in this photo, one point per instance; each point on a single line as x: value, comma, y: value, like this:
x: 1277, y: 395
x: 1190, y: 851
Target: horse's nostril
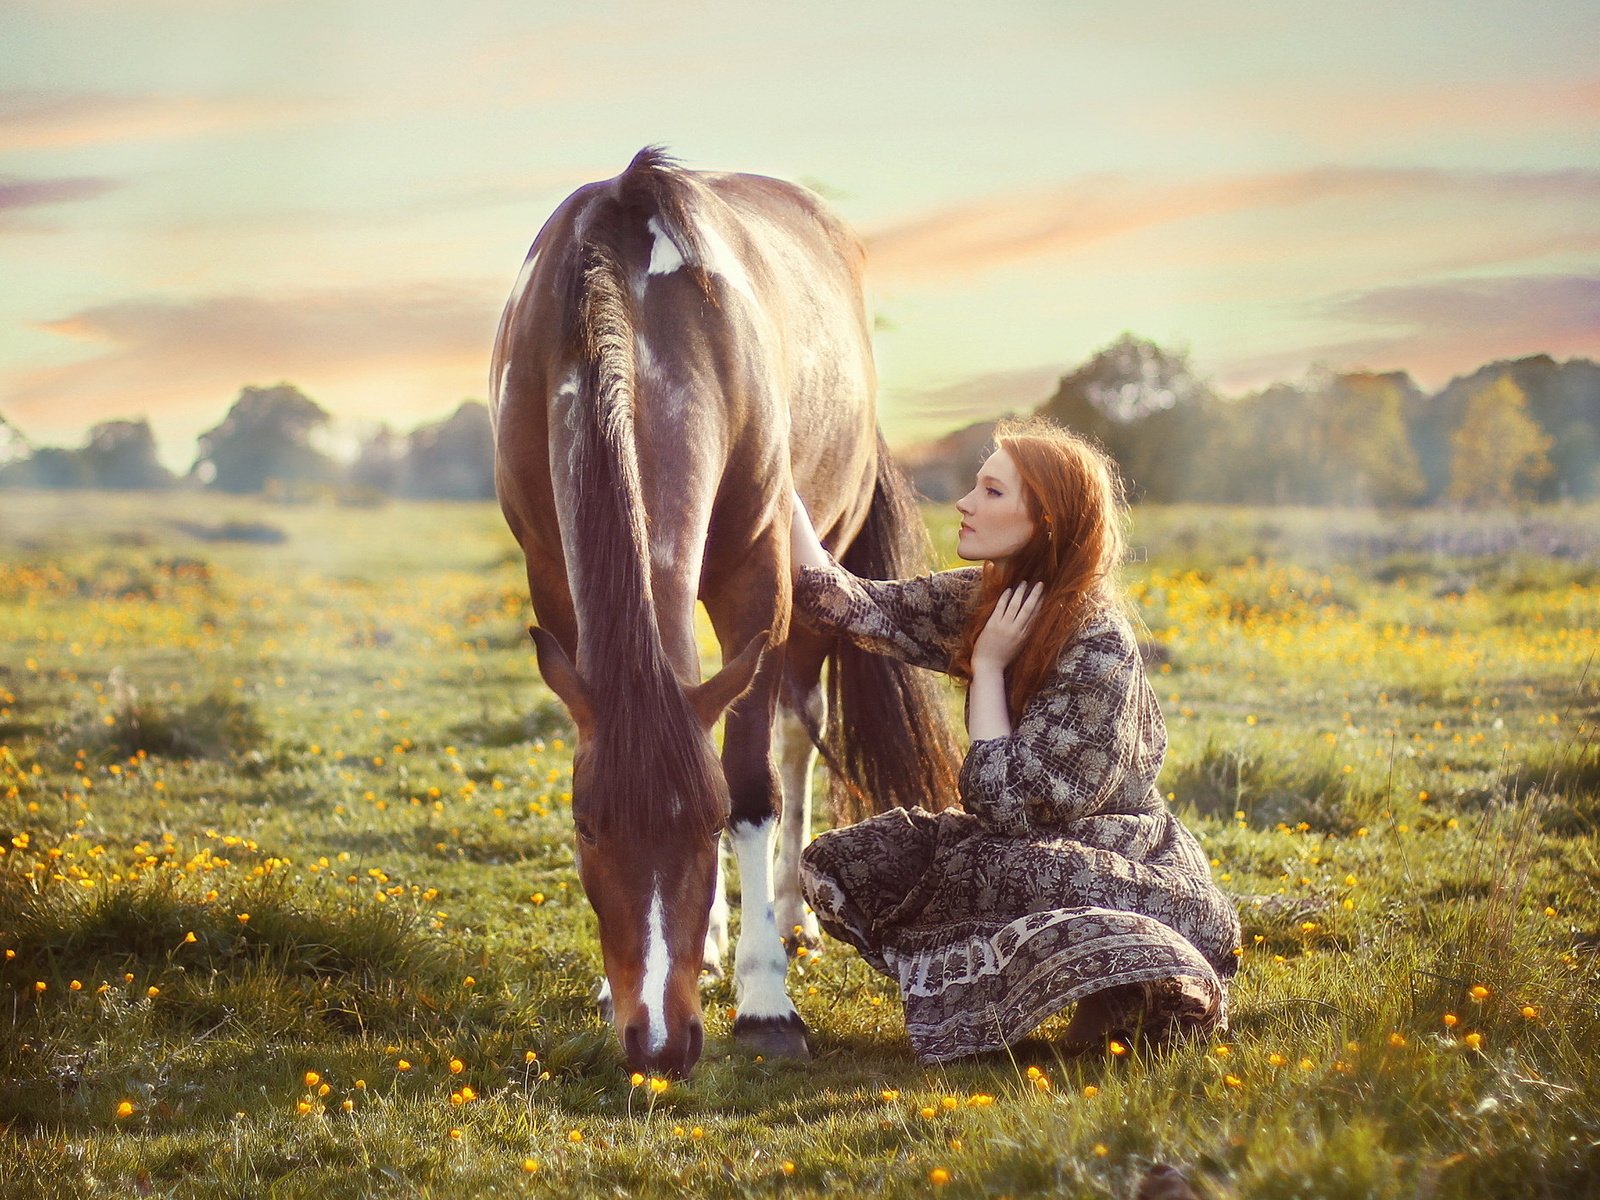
x: 633, y: 1044
x: 696, y: 1042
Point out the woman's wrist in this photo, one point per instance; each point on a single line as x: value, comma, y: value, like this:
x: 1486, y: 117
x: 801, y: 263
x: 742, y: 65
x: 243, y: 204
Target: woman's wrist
x: 987, y: 713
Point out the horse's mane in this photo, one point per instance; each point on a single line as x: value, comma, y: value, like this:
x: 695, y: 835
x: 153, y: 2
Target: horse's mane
x: 647, y: 738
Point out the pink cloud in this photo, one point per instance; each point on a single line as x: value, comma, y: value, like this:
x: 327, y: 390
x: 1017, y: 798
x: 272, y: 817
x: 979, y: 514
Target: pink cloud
x: 1005, y: 229
x: 1442, y: 329
x: 380, y: 354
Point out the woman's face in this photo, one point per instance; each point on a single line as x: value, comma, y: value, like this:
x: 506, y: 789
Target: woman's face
x: 994, y: 517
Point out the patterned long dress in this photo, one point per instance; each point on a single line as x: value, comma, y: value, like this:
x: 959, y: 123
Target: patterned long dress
x: 1061, y: 874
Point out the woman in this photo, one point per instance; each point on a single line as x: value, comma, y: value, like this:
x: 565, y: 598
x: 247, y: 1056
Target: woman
x: 1061, y: 877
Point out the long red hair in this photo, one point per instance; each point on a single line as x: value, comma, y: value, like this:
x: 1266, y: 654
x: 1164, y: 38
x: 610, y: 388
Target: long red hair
x: 1074, y: 494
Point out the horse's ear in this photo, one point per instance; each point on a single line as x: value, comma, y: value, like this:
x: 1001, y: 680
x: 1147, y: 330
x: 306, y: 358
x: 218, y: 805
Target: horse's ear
x: 562, y: 677
x: 712, y: 698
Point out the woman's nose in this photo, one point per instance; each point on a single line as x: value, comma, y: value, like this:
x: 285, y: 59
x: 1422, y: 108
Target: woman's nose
x: 962, y: 505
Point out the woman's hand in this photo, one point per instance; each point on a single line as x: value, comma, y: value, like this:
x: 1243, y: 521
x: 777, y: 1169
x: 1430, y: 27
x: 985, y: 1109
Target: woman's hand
x: 988, y: 715
x: 805, y: 548
x: 1007, y: 628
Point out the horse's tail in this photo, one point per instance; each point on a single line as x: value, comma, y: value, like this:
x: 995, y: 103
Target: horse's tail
x: 888, y: 725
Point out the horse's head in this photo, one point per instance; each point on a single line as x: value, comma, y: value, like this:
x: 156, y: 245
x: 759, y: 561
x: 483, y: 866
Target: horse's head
x: 648, y: 805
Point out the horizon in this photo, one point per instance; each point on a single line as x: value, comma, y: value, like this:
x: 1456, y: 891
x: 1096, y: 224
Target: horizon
x: 341, y: 201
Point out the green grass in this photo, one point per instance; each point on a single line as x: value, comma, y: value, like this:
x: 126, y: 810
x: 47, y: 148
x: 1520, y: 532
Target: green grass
x: 330, y: 761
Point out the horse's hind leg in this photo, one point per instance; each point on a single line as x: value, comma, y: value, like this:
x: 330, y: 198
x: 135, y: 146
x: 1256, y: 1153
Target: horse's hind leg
x: 796, y: 756
x: 717, y: 931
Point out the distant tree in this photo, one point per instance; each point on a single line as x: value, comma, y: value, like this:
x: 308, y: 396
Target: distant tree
x: 267, y: 435
x: 121, y: 455
x: 1145, y: 404
x: 1369, y: 448
x: 1498, y: 453
x: 380, y: 462
x: 46, y: 467
x: 13, y: 446
x: 454, y: 458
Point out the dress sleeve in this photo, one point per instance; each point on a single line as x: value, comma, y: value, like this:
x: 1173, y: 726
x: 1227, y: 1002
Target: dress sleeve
x: 1091, y: 741
x: 916, y: 620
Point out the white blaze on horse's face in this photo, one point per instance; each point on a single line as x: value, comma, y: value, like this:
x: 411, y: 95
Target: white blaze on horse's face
x: 653, y: 992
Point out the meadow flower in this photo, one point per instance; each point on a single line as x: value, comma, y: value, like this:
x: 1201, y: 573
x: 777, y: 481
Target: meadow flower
x: 312, y: 1079
x: 890, y: 1094
x: 1479, y: 993
x: 530, y: 1166
x: 1100, y: 1149
x: 575, y: 1136
x: 457, y: 1066
x: 1474, y: 1041
x: 938, y: 1177
x: 1090, y: 1091
x: 125, y: 1109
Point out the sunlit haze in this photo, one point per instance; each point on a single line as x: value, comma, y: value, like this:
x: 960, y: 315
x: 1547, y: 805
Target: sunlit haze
x: 196, y: 196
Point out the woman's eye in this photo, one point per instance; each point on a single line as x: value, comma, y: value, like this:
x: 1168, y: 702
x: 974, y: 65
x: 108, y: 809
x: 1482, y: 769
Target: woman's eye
x: 992, y: 491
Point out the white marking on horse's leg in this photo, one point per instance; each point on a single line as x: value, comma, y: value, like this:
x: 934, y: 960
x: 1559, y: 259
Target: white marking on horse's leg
x: 717, y: 930
x: 653, y: 989
x: 665, y: 257
x: 602, y: 999
x: 760, y: 965
x: 796, y: 755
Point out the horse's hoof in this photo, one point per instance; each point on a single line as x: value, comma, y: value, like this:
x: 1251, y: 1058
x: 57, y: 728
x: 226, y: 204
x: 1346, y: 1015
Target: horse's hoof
x: 711, y: 973
x: 773, y: 1037
x: 810, y: 943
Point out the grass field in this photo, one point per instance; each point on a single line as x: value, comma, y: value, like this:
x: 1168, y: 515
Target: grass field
x: 288, y: 906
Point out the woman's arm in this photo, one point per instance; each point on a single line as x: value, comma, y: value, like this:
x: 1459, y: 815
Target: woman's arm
x: 916, y: 620
x: 805, y: 548
x: 1091, y: 740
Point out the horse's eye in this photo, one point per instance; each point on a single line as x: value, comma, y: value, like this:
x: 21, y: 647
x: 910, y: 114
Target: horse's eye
x: 584, y: 831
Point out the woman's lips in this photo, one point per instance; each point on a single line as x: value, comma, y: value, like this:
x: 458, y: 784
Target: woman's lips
x: 965, y: 528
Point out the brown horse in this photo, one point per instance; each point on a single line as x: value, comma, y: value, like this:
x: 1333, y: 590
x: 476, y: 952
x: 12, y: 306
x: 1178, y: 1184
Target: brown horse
x: 680, y: 351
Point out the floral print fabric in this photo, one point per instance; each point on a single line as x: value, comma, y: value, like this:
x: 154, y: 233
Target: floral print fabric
x: 1061, y: 874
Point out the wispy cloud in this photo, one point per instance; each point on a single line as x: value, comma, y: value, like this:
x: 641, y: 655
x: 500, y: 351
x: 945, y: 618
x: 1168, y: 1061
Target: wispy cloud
x: 17, y: 194
x: 1005, y: 229
x: 1341, y: 119
x: 378, y: 354
x: 38, y: 120
x: 1441, y: 329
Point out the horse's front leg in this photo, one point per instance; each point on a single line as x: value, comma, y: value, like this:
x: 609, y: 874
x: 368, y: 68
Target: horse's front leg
x: 766, y: 1019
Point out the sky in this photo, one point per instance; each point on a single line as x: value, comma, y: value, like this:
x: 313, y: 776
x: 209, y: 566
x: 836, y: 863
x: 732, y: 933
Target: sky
x: 198, y: 195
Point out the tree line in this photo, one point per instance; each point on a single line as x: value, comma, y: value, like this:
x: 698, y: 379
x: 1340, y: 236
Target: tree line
x: 1509, y: 432
x: 270, y: 442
